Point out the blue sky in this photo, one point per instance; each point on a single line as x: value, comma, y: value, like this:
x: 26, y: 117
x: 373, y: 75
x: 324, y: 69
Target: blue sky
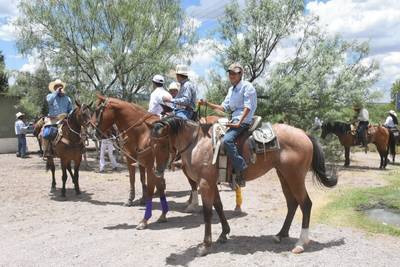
x: 376, y: 21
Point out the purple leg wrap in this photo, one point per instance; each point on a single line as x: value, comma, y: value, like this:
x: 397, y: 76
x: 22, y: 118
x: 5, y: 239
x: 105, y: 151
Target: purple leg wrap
x: 149, y: 206
x: 164, y: 204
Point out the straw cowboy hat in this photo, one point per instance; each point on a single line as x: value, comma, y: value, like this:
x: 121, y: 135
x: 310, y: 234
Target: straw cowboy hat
x: 174, y: 86
x: 392, y: 112
x: 54, y: 83
x: 182, y: 70
x: 19, y: 114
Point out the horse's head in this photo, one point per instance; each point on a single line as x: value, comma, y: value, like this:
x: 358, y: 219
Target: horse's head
x: 326, y: 129
x: 83, y: 114
x: 103, y: 117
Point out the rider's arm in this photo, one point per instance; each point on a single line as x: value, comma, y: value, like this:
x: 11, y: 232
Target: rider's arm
x: 185, y: 95
x: 51, y: 97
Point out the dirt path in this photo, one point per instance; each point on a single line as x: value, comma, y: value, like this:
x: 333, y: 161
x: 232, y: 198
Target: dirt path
x: 41, y: 229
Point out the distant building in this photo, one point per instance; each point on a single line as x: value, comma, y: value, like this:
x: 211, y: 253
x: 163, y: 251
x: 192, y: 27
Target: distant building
x: 8, y: 142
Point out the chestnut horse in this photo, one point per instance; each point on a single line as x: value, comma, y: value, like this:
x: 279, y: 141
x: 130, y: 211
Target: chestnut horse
x: 298, y: 154
x: 377, y: 135
x: 37, y: 129
x: 70, y: 147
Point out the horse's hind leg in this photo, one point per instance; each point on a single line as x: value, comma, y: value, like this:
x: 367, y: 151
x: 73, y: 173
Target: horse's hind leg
x: 131, y: 170
x: 149, y: 201
x: 220, y: 211
x: 142, y: 172
x: 75, y: 177
x: 207, y: 196
x: 291, y: 204
x: 50, y: 166
x: 193, y: 201
x: 64, y: 177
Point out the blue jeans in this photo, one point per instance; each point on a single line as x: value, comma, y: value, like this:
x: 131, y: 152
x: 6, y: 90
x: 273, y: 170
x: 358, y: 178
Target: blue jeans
x: 21, y: 145
x: 238, y: 161
x: 184, y: 114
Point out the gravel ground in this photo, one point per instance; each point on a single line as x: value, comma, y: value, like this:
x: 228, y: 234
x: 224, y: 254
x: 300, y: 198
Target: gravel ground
x: 39, y: 228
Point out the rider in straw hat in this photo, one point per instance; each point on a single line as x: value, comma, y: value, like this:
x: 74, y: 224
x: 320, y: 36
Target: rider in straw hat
x: 185, y: 100
x: 362, y: 117
x: 59, y: 107
x: 391, y: 120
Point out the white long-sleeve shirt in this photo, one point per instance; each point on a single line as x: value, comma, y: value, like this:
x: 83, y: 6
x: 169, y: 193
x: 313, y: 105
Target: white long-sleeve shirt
x: 363, y: 115
x: 389, y: 122
x: 20, y: 127
x: 156, y: 98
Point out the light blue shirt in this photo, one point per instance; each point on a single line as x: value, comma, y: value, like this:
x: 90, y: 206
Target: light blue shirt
x: 20, y: 127
x: 58, y: 104
x: 241, y: 96
x: 187, y: 95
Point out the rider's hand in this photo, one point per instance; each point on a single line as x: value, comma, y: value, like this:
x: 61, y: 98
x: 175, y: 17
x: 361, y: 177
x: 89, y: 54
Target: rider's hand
x: 233, y: 125
x: 202, y: 102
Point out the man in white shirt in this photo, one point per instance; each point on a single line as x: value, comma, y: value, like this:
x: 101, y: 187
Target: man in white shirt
x: 362, y: 117
x: 391, y: 120
x: 156, y: 97
x: 20, y: 130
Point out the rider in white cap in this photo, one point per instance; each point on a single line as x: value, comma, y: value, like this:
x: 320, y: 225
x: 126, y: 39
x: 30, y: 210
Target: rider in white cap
x: 391, y: 120
x: 156, y: 97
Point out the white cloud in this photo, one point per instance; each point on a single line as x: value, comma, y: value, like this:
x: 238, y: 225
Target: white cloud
x: 8, y: 31
x: 33, y: 63
x: 8, y: 8
x: 376, y: 21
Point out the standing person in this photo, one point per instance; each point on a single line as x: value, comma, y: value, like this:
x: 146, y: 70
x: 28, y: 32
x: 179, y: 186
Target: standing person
x: 156, y: 97
x: 362, y: 117
x: 185, y: 101
x: 391, y: 120
x: 106, y: 144
x: 20, y: 130
x: 241, y: 103
x: 60, y: 106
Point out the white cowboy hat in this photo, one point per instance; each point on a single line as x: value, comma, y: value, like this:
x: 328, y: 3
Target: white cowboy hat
x: 392, y: 112
x: 182, y: 70
x: 174, y: 86
x: 158, y: 79
x: 235, y: 67
x: 19, y: 114
x: 54, y: 83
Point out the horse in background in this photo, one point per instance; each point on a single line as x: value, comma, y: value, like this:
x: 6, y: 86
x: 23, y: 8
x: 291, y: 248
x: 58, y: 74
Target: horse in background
x: 298, y: 154
x: 377, y: 135
x: 69, y: 147
x: 37, y: 129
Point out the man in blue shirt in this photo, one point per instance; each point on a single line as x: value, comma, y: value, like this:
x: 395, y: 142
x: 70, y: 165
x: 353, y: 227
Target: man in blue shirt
x: 185, y: 101
x: 60, y: 106
x: 241, y: 103
x: 20, y: 131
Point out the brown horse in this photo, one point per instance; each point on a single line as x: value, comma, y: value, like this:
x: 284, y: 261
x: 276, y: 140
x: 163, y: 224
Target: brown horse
x: 298, y: 154
x: 37, y: 129
x: 70, y: 147
x: 377, y: 135
x: 133, y: 124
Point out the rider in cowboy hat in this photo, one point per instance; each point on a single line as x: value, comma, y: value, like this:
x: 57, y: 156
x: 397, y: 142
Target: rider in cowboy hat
x: 185, y: 100
x: 391, y: 120
x: 241, y: 102
x: 362, y: 117
x: 59, y: 107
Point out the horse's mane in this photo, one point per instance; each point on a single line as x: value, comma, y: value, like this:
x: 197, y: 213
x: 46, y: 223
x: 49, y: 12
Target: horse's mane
x: 129, y: 104
x: 340, y: 127
x: 176, y: 124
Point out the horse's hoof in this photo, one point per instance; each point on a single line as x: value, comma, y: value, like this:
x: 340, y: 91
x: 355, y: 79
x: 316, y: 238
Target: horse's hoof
x: 277, y: 238
x: 203, y: 250
x: 128, y: 203
x: 222, y: 239
x: 162, y: 219
x: 298, y: 249
x: 142, y: 225
x: 192, y: 208
x: 238, y: 210
x: 78, y: 192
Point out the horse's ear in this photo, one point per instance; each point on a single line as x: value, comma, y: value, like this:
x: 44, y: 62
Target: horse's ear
x: 77, y: 103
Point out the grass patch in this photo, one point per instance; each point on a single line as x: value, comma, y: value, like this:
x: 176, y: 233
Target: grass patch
x: 346, y: 207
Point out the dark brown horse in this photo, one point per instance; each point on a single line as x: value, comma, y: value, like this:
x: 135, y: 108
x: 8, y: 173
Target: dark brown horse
x: 69, y: 147
x: 377, y: 135
x: 298, y: 154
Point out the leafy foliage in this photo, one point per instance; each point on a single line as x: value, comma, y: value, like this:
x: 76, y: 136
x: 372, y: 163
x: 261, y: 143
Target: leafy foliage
x: 3, y: 74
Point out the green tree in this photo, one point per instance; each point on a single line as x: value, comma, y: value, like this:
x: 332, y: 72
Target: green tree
x: 394, y: 90
x: 32, y: 90
x: 3, y: 74
x: 113, y: 46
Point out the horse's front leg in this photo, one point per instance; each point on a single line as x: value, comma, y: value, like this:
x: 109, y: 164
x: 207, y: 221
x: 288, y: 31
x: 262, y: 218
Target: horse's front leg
x: 151, y: 182
x: 347, y: 156
x: 207, y: 192
x: 142, y: 172
x: 75, y: 178
x: 50, y: 166
x: 193, y: 201
x: 160, y: 184
x: 131, y: 170
x: 64, y: 177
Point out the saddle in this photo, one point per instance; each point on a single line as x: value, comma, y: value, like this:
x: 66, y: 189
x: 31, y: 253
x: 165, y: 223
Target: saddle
x: 260, y: 138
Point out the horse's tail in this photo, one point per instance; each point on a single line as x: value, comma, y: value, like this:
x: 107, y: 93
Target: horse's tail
x: 318, y: 165
x: 392, y: 143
